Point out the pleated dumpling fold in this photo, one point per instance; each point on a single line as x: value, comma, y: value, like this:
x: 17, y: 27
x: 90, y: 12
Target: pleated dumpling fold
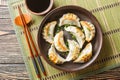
x: 69, y: 18
x: 89, y: 30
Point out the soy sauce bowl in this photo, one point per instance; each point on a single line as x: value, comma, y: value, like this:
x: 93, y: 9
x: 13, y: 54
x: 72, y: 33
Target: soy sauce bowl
x: 39, y: 7
x: 84, y: 15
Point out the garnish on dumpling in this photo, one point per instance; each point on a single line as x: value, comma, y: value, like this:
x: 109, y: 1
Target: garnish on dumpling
x: 69, y: 18
x: 85, y: 54
x: 74, y: 50
x: 59, y: 42
x: 89, y: 30
x: 77, y: 32
x: 54, y: 56
x: 48, y: 31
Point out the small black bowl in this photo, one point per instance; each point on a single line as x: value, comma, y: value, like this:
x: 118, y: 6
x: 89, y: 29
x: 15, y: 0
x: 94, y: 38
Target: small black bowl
x: 83, y: 14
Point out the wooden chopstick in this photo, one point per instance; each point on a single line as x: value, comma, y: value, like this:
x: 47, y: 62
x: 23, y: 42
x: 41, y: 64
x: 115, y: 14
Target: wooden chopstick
x: 31, y: 52
x: 36, y: 51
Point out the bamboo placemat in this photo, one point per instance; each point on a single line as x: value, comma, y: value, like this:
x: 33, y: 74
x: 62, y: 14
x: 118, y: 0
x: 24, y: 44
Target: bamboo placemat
x: 107, y: 13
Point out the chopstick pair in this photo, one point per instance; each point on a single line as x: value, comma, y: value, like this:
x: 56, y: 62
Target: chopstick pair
x: 27, y: 33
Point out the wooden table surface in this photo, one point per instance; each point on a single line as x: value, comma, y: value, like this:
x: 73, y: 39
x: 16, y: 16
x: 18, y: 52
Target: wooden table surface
x: 12, y: 66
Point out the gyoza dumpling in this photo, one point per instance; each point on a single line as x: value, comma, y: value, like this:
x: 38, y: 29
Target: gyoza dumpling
x: 89, y: 30
x: 77, y: 33
x: 48, y: 31
x: 69, y: 18
x: 59, y: 42
x: 73, y: 50
x: 85, y: 54
x: 55, y: 57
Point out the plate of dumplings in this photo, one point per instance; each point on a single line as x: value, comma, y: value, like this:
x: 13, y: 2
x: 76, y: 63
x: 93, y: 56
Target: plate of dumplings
x: 70, y: 38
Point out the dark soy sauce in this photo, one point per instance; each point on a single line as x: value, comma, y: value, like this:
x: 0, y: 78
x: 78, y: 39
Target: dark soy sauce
x: 38, y: 5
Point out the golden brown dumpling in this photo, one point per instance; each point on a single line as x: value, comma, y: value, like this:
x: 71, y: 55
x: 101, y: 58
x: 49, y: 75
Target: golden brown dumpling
x: 69, y: 18
x: 85, y: 54
x: 54, y: 56
x: 89, y: 30
x: 79, y: 35
x: 74, y: 50
x: 59, y: 42
x: 48, y: 31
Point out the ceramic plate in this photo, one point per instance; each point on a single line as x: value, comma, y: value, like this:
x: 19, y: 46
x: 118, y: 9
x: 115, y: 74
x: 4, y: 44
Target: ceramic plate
x: 83, y: 14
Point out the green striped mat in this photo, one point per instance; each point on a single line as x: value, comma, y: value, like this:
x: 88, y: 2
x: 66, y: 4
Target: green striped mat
x: 106, y: 11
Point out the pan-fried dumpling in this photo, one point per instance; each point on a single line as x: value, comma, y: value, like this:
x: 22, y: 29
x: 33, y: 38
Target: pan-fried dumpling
x: 73, y: 50
x: 89, y: 30
x: 79, y: 35
x: 85, y: 54
x: 69, y: 18
x: 48, y: 31
x: 59, y: 42
x: 54, y: 56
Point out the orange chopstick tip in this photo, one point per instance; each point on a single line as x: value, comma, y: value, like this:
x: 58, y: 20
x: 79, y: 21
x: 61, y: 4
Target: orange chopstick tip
x: 45, y: 73
x: 38, y: 75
